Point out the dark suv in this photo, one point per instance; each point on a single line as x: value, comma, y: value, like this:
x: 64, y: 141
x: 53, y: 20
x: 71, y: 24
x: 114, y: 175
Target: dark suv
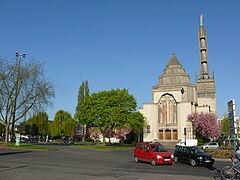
x: 154, y: 153
x: 193, y: 155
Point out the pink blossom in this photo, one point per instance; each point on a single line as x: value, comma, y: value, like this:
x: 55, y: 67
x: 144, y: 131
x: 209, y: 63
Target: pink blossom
x: 205, y: 124
x: 121, y: 134
x: 95, y: 135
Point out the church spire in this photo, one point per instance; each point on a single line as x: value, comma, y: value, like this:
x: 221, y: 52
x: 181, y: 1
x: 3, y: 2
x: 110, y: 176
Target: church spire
x: 205, y: 85
x: 201, y: 20
x: 203, y: 50
x: 173, y: 60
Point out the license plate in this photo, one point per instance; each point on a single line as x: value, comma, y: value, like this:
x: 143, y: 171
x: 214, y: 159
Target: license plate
x: 166, y: 159
x: 207, y: 161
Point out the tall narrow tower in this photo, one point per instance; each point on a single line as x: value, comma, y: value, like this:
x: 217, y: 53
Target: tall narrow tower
x: 205, y: 82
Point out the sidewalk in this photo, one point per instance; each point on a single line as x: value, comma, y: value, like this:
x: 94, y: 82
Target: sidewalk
x: 3, y: 145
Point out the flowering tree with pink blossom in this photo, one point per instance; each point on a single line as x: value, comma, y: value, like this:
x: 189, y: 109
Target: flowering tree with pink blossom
x: 110, y: 133
x: 205, y: 125
x: 95, y: 135
x: 121, y: 133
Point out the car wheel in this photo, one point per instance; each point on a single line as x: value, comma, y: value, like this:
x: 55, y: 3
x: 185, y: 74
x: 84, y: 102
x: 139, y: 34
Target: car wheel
x: 175, y: 159
x: 193, y: 162
x: 136, y: 160
x: 153, y: 162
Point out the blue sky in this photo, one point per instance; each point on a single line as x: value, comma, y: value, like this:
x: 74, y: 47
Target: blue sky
x: 122, y: 44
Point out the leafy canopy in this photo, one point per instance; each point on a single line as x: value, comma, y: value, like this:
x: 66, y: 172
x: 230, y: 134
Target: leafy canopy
x: 110, y: 109
x: 225, y: 125
x: 38, y: 124
x: 63, y: 124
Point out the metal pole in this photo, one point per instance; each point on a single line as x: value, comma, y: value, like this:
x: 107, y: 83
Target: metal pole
x: 234, y: 144
x: 185, y: 134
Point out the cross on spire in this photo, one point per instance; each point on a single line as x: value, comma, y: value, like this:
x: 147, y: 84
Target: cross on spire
x: 201, y: 20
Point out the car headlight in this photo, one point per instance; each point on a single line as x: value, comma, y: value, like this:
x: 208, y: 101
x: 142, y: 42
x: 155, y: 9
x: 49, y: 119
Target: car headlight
x: 159, y: 157
x: 200, y: 158
x: 172, y: 156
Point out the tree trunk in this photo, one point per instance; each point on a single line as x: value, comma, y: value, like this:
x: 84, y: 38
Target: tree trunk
x: 109, y: 141
x: 139, y: 135
x: 104, y: 142
x: 6, y: 133
x: 13, y: 130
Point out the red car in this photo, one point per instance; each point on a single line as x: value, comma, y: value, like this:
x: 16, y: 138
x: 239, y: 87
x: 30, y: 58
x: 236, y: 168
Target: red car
x: 152, y: 152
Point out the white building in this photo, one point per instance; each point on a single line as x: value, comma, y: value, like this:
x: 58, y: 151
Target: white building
x: 175, y: 97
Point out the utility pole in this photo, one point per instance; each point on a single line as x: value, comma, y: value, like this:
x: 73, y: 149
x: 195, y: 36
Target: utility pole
x: 19, y: 57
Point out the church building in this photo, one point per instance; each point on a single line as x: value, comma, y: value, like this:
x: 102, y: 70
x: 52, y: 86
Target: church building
x: 175, y: 97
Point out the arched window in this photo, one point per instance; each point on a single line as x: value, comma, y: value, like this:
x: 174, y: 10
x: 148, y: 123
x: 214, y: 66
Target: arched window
x: 167, y: 110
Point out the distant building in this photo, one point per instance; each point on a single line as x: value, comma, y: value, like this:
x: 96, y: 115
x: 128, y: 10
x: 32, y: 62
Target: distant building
x: 238, y: 126
x: 175, y: 97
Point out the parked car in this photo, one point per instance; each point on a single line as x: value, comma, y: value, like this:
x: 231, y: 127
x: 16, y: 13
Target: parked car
x: 32, y: 140
x: 155, y: 153
x: 210, y: 145
x: 193, y: 155
x: 23, y: 140
x: 189, y: 142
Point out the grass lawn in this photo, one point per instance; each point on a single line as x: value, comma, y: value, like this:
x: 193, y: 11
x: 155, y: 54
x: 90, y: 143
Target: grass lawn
x: 31, y: 146
x: 84, y: 145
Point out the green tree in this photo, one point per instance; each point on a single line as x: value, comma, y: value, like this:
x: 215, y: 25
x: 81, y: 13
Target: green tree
x: 63, y: 124
x: 43, y: 126
x: 38, y: 125
x: 225, y: 125
x: 32, y: 126
x: 68, y: 127
x: 23, y: 88
x: 112, y: 109
x: 83, y: 94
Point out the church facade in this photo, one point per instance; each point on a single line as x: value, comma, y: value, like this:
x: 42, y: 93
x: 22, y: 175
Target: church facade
x: 175, y: 97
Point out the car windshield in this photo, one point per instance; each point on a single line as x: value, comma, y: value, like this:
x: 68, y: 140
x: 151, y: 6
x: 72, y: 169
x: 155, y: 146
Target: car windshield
x: 196, y: 150
x: 158, y: 148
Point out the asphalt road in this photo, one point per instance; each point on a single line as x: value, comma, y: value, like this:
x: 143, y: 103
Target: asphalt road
x: 71, y: 162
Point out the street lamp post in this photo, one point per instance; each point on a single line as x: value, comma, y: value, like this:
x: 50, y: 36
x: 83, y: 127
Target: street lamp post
x: 19, y: 56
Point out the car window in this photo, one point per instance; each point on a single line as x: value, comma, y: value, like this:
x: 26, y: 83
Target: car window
x: 196, y: 150
x: 192, y: 151
x: 186, y: 150
x: 141, y: 147
x: 180, y: 148
x: 158, y: 148
x: 147, y: 148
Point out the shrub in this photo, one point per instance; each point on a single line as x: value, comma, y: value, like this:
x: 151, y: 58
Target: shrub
x: 220, y: 153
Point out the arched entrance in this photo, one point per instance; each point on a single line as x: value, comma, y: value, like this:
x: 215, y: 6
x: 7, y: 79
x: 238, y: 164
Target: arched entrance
x: 167, y: 117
